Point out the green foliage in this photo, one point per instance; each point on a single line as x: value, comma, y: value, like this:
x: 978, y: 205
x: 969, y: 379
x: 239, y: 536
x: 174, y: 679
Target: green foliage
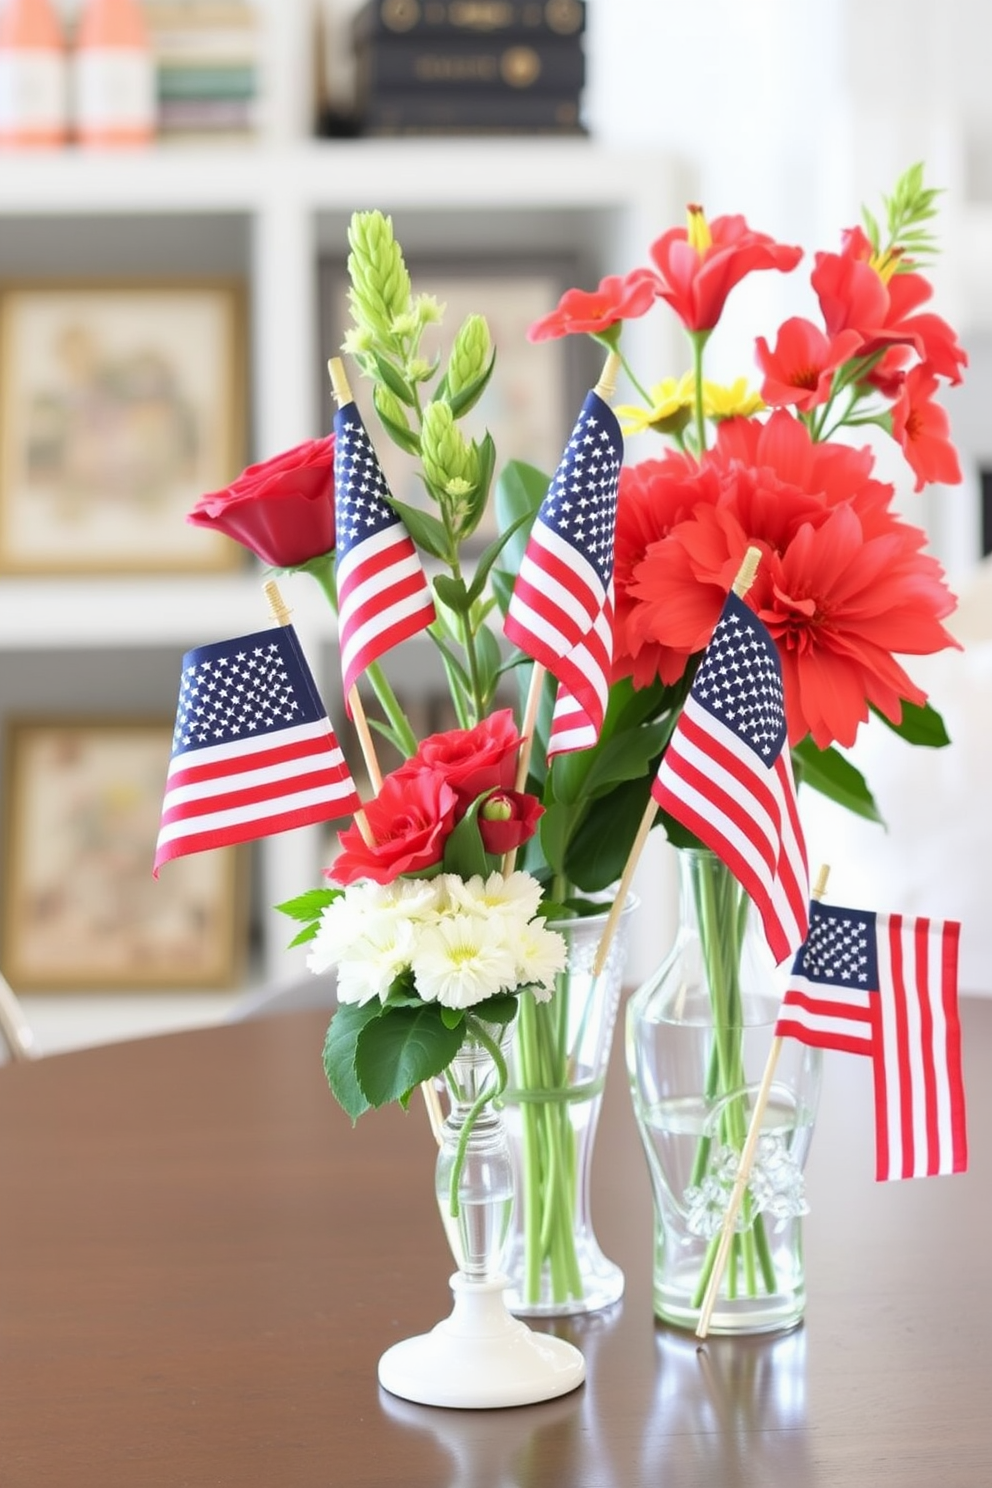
x: 830, y: 773
x: 907, y: 211
x: 919, y: 725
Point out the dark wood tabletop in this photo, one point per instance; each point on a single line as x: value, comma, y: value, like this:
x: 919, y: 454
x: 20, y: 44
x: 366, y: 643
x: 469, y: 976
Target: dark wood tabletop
x: 201, y: 1262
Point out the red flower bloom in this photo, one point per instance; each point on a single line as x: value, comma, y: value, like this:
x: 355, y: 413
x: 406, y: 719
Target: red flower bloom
x: 839, y: 605
x: 801, y: 369
x: 595, y: 312
x: 842, y: 583
x: 409, y: 822
x: 282, y: 510
x: 654, y: 497
x: 474, y: 760
x: 507, y: 819
x: 699, y: 265
x: 853, y: 295
x: 923, y: 430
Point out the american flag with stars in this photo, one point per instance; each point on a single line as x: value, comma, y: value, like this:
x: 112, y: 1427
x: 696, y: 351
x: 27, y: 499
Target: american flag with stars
x: 885, y: 985
x: 726, y: 774
x: 383, y: 594
x: 561, y: 609
x: 253, y: 751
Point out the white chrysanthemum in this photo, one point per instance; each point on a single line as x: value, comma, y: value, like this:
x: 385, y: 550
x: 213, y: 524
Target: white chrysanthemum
x: 361, y: 911
x: 463, y: 959
x: 541, y: 954
x: 376, y: 960
x: 516, y: 897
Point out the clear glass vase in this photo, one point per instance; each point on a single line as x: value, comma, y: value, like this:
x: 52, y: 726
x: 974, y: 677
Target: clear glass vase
x: 473, y: 1175
x: 698, y: 1037
x: 558, y: 1058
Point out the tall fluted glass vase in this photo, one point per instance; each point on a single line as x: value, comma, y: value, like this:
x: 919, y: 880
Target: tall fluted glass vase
x: 698, y: 1036
x: 481, y: 1356
x: 557, y: 1071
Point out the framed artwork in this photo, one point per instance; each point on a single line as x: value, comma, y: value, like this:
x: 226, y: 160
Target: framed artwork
x: 81, y: 909
x: 535, y: 393
x: 120, y: 405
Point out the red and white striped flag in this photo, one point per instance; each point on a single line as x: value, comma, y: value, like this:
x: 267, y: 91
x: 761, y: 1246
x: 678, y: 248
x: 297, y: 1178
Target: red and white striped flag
x: 561, y: 609
x: 253, y: 750
x: 726, y: 774
x: 886, y: 986
x: 383, y: 594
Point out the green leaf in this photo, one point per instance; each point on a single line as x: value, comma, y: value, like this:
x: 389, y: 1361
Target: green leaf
x: 308, y: 905
x: 919, y: 725
x: 599, y: 850
x: 464, y: 853
x: 340, y: 1047
x: 309, y: 932
x: 466, y: 398
x: 589, y: 773
x: 394, y: 380
x: 453, y: 592
x: 398, y: 1051
x: 502, y: 1008
x: 520, y: 490
x: 427, y: 531
x: 452, y: 1017
x: 490, y: 554
x: 554, y: 830
x: 830, y: 773
x: 407, y: 439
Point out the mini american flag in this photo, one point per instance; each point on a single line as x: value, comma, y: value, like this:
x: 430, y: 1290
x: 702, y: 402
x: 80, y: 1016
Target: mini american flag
x: 561, y: 609
x: 253, y: 750
x: 886, y: 986
x: 727, y: 774
x: 383, y: 593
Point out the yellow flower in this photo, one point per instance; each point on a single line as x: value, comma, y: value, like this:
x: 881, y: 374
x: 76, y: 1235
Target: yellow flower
x: 734, y: 401
x: 671, y: 407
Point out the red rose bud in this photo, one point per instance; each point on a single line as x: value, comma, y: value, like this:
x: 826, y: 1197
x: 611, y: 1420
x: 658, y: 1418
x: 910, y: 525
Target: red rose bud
x: 282, y: 510
x: 508, y: 818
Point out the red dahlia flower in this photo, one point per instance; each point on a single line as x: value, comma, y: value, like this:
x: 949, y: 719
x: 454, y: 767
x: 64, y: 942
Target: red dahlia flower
x: 842, y: 584
x: 699, y: 265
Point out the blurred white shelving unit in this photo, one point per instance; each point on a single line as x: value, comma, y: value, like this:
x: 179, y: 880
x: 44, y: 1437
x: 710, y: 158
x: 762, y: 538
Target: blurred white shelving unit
x: 266, y: 213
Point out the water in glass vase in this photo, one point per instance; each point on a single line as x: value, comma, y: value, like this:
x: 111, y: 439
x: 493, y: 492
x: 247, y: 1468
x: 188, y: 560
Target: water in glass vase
x: 692, y: 1175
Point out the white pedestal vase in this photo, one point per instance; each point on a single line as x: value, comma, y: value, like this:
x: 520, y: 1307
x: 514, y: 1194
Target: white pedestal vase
x: 480, y: 1357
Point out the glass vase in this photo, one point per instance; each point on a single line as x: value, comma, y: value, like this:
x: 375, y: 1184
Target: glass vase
x: 473, y: 1175
x: 481, y: 1356
x: 698, y: 1037
x: 557, y: 1067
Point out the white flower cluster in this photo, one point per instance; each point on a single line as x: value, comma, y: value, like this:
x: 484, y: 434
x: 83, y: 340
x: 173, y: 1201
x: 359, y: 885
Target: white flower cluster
x: 464, y: 940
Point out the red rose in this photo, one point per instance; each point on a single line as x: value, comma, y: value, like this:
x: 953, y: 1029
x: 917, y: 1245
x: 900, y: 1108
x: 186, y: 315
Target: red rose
x: 409, y: 822
x: 474, y: 760
x: 507, y: 819
x: 281, y: 510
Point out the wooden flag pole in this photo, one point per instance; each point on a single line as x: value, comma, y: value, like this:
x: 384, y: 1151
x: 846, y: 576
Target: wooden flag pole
x: 342, y: 394
x: 742, y: 583
x: 281, y: 614
x: 746, y: 1159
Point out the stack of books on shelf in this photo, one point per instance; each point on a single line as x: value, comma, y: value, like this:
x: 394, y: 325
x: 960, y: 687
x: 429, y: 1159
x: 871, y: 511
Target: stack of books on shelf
x: 469, y: 66
x: 207, y: 56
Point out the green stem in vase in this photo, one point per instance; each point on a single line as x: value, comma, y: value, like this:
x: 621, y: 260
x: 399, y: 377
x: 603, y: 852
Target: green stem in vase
x: 489, y: 1092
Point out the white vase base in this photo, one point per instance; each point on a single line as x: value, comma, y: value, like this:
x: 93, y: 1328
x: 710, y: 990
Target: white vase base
x: 481, y: 1357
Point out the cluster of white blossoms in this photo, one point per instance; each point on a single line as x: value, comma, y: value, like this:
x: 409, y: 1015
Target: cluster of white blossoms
x: 463, y: 939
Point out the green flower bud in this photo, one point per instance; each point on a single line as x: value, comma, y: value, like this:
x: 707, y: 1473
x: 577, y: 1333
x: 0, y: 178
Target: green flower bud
x: 380, y: 284
x: 418, y: 369
x: 470, y: 354
x: 357, y: 340
x: 498, y: 808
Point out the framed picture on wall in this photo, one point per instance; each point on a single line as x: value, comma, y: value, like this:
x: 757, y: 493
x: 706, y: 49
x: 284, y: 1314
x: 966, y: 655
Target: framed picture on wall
x: 81, y: 909
x: 536, y: 391
x: 120, y: 405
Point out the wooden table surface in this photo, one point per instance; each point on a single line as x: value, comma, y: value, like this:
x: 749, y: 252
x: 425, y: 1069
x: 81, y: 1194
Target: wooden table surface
x: 201, y: 1262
